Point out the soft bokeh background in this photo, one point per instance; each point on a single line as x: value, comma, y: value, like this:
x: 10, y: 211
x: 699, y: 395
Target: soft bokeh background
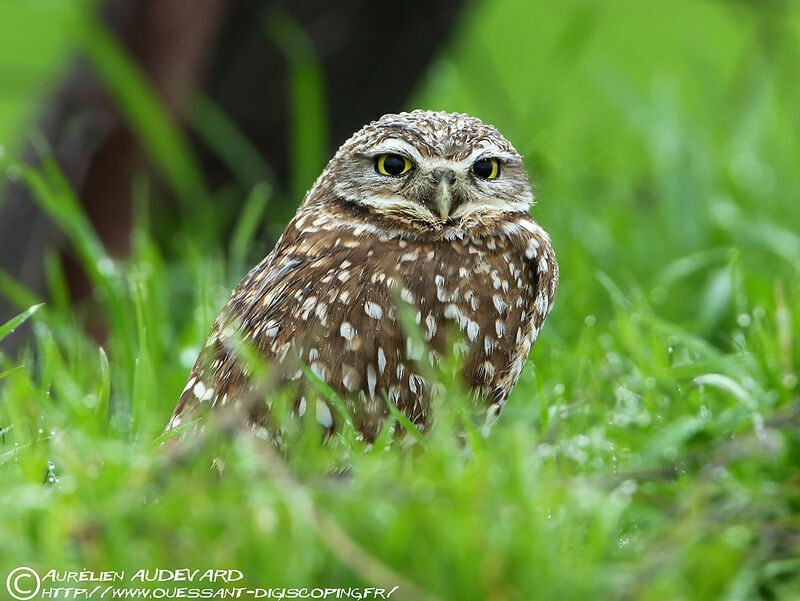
x: 651, y: 449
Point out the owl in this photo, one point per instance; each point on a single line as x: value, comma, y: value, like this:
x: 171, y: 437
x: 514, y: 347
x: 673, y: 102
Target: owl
x: 423, y: 212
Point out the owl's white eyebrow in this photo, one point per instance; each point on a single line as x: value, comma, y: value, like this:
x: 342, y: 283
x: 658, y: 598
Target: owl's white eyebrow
x: 395, y: 145
x: 399, y: 146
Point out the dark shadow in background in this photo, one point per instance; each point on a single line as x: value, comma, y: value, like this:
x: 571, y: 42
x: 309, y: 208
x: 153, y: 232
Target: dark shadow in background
x: 371, y: 54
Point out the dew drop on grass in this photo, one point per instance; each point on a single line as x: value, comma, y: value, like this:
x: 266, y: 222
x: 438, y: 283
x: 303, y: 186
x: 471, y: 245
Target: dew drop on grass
x: 743, y: 320
x: 50, y: 476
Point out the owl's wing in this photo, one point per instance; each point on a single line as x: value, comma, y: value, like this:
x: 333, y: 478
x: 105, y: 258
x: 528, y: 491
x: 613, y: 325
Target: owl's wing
x: 217, y: 374
x: 540, y: 269
x: 283, y: 307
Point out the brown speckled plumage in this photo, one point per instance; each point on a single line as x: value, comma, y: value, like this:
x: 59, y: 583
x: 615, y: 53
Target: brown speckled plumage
x: 461, y: 250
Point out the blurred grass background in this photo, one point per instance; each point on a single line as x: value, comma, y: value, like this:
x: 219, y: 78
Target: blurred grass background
x: 651, y: 448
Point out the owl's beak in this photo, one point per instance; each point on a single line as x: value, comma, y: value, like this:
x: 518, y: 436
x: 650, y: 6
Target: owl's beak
x: 444, y: 180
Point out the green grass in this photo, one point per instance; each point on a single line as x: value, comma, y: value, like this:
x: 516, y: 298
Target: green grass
x: 651, y: 448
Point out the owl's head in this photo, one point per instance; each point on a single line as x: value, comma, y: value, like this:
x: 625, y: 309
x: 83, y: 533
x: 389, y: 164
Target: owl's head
x: 432, y: 168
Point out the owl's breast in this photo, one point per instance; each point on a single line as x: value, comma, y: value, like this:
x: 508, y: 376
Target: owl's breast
x: 334, y: 300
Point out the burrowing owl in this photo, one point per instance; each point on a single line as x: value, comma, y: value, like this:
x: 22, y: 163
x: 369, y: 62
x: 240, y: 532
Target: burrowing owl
x: 426, y: 209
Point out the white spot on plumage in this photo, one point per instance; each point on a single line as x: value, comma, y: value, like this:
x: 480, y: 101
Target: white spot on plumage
x: 322, y: 314
x: 406, y: 295
x: 202, y: 393
x: 350, y: 377
x: 319, y: 370
x: 372, y: 380
x: 381, y: 360
x: 543, y: 266
x: 533, y: 247
x: 430, y: 324
x: 416, y: 384
x: 499, y: 303
x: 500, y: 327
x: 323, y: 414
x: 347, y: 331
x: 541, y: 303
x: 271, y: 329
x: 373, y: 310
x: 451, y: 311
x: 472, y: 330
x: 189, y: 384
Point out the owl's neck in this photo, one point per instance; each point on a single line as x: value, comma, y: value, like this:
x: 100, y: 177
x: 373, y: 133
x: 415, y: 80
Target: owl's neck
x: 338, y: 212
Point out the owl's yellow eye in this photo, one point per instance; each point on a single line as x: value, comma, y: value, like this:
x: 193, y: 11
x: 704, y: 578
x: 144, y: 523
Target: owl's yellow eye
x: 392, y: 164
x: 486, y: 168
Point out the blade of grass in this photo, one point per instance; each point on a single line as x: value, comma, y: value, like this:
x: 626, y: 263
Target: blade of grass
x: 407, y: 424
x: 308, y: 123
x: 15, y: 322
x: 248, y: 222
x: 222, y: 135
x: 338, y: 404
